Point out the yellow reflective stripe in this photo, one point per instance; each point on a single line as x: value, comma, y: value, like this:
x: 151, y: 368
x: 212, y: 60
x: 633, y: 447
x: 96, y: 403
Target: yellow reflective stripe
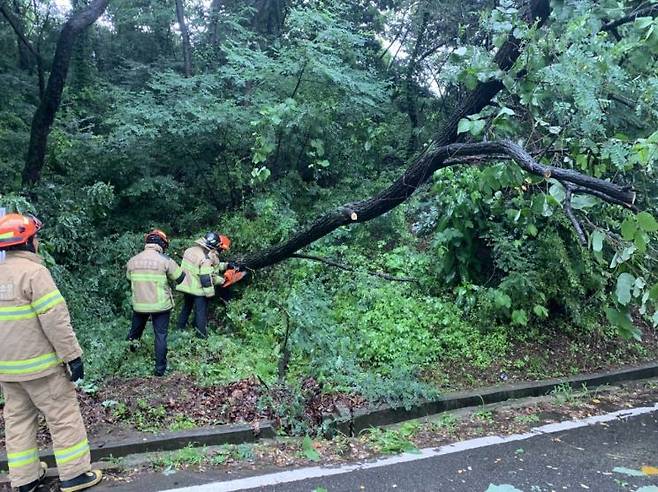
x: 148, y: 277
x: 142, y: 307
x: 29, y: 366
x: 66, y: 455
x: 6, y: 235
x: 178, y: 273
x: 22, y: 458
x: 13, y: 313
x: 206, y: 270
x: 47, y: 302
x: 190, y: 266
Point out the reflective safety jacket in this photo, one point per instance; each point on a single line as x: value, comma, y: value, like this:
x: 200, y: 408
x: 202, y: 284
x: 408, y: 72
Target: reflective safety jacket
x: 35, y: 327
x: 148, y: 273
x: 202, y: 271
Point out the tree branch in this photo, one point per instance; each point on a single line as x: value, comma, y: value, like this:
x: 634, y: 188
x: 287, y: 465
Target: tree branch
x: 333, y: 263
x: 568, y: 211
x: 433, y: 159
x: 13, y: 22
x: 45, y: 114
x: 647, y: 11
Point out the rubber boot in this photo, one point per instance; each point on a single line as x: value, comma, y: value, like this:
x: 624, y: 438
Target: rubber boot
x: 32, y: 486
x: 82, y: 482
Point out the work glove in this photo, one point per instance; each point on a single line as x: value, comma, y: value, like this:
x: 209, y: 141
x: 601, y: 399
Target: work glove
x: 76, y: 369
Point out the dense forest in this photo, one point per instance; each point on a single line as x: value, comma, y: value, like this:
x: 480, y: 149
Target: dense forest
x: 427, y: 194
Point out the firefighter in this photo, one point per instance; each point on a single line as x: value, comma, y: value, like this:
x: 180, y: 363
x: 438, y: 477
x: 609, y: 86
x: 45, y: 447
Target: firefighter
x: 152, y: 298
x: 202, y: 273
x: 39, y: 358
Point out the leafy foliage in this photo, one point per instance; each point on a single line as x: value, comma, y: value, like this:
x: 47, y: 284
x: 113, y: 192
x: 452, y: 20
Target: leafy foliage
x: 289, y: 114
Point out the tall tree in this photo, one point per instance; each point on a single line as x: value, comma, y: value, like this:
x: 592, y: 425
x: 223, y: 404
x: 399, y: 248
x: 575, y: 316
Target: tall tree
x: 185, y: 36
x: 269, y: 17
x: 213, y: 25
x: 49, y: 105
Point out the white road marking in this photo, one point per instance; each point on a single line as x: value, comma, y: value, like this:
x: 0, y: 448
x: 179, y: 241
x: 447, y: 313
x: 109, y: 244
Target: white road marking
x: 326, y: 471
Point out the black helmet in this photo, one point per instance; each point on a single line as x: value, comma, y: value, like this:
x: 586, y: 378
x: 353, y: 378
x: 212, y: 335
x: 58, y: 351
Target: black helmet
x: 212, y: 240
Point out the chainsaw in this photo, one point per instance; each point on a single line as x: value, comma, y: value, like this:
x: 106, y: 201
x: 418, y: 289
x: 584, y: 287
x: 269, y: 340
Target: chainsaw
x: 232, y: 276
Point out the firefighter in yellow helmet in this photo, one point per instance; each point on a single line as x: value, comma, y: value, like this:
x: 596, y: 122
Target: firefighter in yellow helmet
x: 39, y: 357
x: 148, y: 273
x: 202, y: 273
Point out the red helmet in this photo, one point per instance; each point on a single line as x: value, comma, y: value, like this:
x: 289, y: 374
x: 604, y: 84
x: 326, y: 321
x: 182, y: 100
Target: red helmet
x: 17, y: 229
x: 157, y: 236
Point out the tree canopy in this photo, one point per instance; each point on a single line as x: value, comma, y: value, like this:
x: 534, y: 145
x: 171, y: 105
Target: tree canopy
x: 503, y: 154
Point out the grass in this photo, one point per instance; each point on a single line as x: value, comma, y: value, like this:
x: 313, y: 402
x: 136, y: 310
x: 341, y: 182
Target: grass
x: 394, y: 441
x: 446, y: 421
x: 527, y: 419
x: 191, y: 456
x: 483, y: 416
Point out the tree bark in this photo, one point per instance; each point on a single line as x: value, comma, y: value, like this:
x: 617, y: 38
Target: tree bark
x: 47, y: 110
x: 185, y: 35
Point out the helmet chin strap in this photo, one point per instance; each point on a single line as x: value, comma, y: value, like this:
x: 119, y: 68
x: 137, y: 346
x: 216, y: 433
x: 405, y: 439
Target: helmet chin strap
x: 3, y: 212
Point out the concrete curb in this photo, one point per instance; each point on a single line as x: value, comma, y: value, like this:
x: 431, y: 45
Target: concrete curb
x: 352, y: 424
x: 169, y: 441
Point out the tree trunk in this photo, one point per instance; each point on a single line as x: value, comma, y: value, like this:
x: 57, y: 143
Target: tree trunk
x: 81, y: 65
x: 213, y: 25
x: 23, y: 51
x: 185, y: 35
x: 47, y: 110
x: 269, y: 17
x: 421, y: 169
x: 412, y: 68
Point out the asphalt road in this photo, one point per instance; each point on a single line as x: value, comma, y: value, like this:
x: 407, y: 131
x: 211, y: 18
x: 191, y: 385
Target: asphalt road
x: 601, y: 456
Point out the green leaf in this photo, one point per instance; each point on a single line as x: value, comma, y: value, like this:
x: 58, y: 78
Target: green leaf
x: 532, y: 230
x: 309, y: 451
x: 540, y: 311
x: 597, y: 240
x: 502, y: 300
x: 653, y: 293
x: 464, y: 125
x: 640, y: 242
x: 519, y: 317
x: 477, y: 126
x: 628, y: 229
x: 580, y: 202
x: 623, y: 322
x: 647, y: 222
x: 557, y: 191
x: 625, y: 283
x: 643, y: 22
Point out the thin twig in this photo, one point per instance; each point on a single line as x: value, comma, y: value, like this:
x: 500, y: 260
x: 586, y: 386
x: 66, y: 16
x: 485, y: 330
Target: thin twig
x: 568, y: 211
x: 350, y: 269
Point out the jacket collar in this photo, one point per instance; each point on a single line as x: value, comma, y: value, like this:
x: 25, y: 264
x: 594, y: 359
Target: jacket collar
x: 199, y: 242
x: 26, y: 255
x: 155, y: 247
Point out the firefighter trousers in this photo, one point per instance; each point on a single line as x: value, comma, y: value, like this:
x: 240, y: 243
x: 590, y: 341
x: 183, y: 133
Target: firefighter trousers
x: 54, y: 396
x: 160, y: 328
x: 200, y: 306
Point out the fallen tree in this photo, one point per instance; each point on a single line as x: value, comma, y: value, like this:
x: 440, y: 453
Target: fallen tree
x: 444, y: 152
x: 433, y: 159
